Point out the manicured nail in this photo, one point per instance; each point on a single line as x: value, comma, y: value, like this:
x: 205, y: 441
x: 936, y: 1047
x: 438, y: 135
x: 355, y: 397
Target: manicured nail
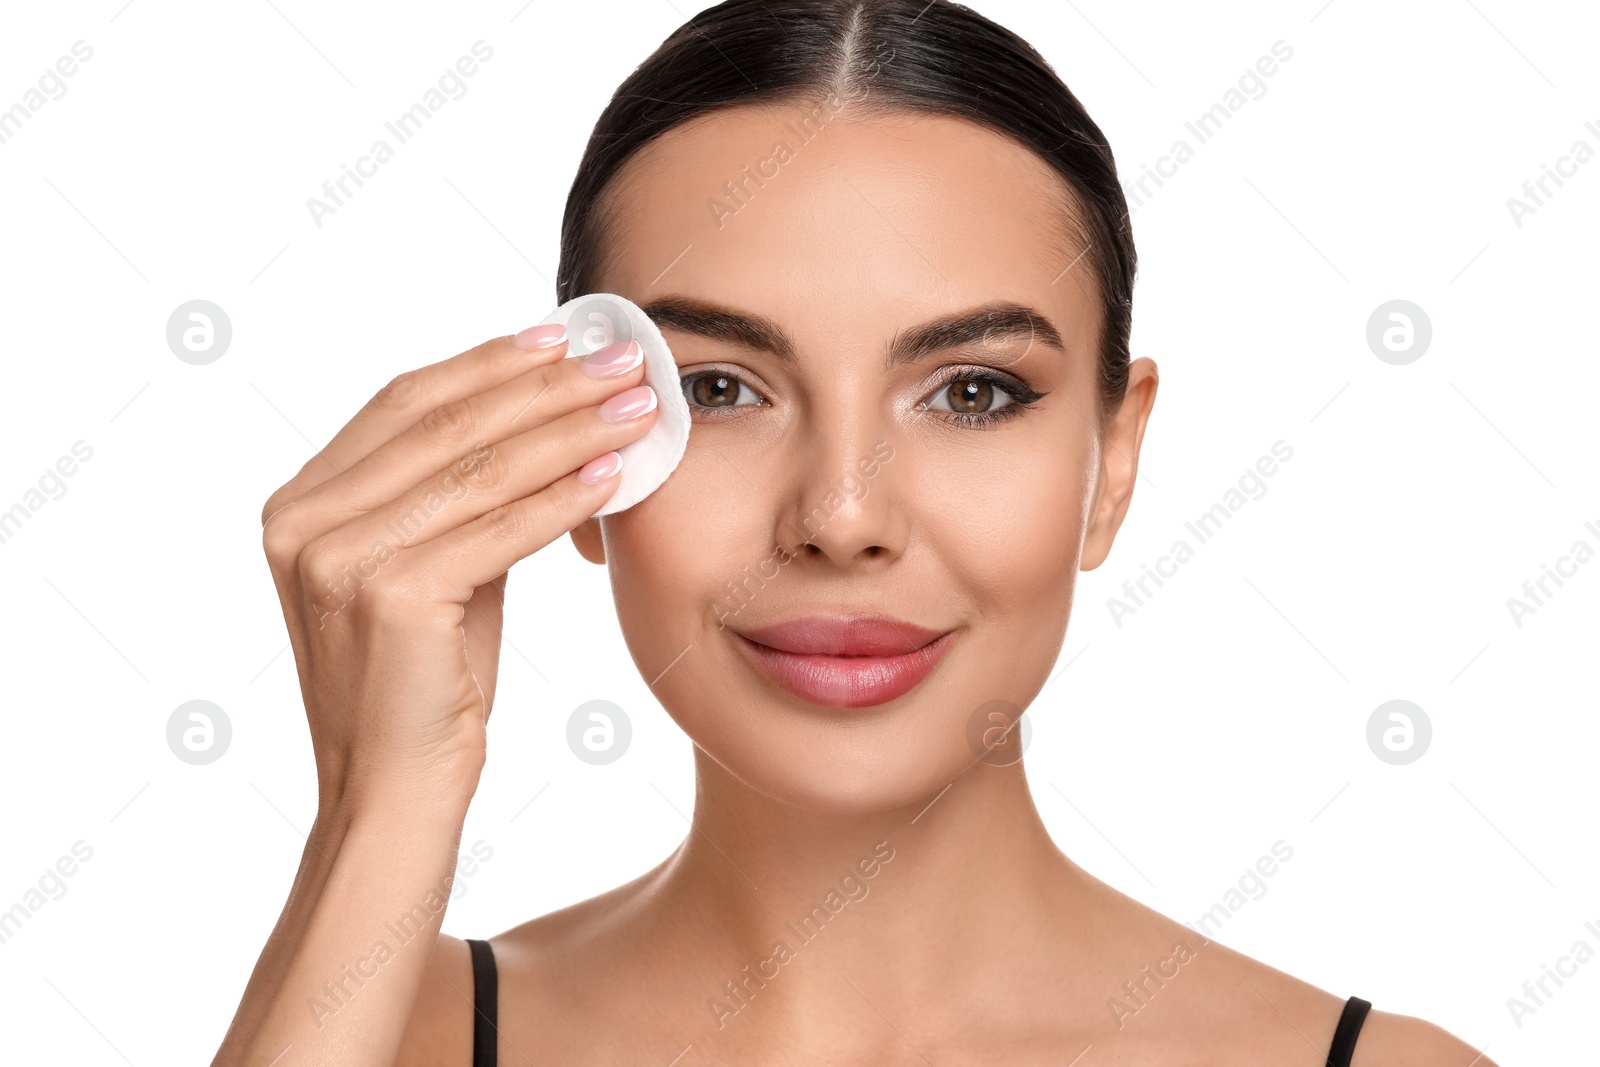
x: 547, y: 336
x: 600, y: 468
x: 629, y: 404
x: 614, y: 359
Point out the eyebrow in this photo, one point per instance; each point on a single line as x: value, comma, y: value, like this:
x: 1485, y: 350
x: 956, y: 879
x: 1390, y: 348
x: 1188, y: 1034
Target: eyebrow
x: 996, y: 321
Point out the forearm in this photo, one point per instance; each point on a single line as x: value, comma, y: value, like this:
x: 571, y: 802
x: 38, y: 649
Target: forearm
x: 337, y: 978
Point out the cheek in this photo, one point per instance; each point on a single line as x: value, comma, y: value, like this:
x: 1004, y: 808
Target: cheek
x: 1005, y: 522
x: 657, y: 557
x: 673, y: 555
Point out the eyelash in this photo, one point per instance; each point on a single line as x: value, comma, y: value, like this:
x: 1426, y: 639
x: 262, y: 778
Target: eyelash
x: 1022, y: 395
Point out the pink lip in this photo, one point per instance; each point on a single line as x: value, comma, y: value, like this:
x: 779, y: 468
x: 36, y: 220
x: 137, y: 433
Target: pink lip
x: 849, y: 661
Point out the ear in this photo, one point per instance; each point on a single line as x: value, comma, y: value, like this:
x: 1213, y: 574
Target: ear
x: 587, y: 540
x: 1119, y: 462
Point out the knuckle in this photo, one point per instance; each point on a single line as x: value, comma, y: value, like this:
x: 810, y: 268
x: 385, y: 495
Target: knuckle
x: 282, y: 536
x: 488, y: 474
x: 452, y: 421
x: 320, y: 561
x: 507, y: 523
x: 402, y: 392
x: 374, y: 584
x: 274, y: 502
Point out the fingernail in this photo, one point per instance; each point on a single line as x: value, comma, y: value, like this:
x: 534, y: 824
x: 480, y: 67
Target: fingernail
x: 614, y: 359
x: 547, y: 336
x: 629, y: 404
x: 600, y: 468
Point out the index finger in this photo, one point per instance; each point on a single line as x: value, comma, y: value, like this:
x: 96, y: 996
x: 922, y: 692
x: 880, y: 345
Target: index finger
x: 412, y: 394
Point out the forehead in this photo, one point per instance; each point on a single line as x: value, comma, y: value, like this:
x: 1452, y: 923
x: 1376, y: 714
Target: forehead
x: 844, y: 227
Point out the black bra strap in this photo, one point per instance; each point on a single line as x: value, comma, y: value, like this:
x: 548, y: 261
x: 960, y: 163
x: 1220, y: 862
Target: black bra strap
x: 486, y: 1001
x: 1349, y: 1028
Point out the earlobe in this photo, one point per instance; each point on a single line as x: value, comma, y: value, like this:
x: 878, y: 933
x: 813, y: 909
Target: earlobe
x: 587, y: 540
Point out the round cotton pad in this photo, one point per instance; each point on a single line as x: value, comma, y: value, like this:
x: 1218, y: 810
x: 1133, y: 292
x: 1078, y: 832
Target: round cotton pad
x: 599, y: 319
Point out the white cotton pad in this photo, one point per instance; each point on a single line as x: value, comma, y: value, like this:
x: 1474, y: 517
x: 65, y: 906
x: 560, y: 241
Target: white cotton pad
x: 599, y: 319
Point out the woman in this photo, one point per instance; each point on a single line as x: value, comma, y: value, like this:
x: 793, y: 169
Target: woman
x: 892, y: 258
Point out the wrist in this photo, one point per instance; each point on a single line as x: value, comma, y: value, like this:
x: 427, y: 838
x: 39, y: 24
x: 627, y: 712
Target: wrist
x: 433, y: 795
x: 408, y: 813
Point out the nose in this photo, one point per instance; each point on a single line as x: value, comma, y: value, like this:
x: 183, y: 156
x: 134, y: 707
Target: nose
x: 844, y: 506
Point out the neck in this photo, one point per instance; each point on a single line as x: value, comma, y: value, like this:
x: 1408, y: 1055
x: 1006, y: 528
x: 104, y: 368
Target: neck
x: 897, y: 901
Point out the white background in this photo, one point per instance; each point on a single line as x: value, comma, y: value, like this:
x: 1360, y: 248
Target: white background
x: 1228, y: 713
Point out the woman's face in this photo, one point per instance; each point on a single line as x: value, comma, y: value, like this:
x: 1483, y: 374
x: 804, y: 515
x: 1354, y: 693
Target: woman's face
x: 848, y: 455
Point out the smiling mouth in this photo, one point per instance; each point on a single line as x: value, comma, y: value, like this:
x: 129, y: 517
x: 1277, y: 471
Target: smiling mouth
x: 845, y: 661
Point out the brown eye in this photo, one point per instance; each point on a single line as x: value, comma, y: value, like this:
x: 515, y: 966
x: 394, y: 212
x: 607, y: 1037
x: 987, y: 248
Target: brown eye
x: 970, y: 395
x: 714, y: 389
x: 973, y: 396
x: 979, y: 398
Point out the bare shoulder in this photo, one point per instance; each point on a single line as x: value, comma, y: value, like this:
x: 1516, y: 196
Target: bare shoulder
x: 1386, y: 1039
x: 1389, y: 1040
x: 541, y: 968
x: 1274, y: 1017
x: 439, y: 1030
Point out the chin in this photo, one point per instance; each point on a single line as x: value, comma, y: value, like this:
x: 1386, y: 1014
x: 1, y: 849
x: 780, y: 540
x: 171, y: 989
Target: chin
x: 829, y: 763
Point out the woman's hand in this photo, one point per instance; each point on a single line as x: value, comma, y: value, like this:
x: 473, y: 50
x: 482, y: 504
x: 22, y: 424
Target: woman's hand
x: 390, y: 550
